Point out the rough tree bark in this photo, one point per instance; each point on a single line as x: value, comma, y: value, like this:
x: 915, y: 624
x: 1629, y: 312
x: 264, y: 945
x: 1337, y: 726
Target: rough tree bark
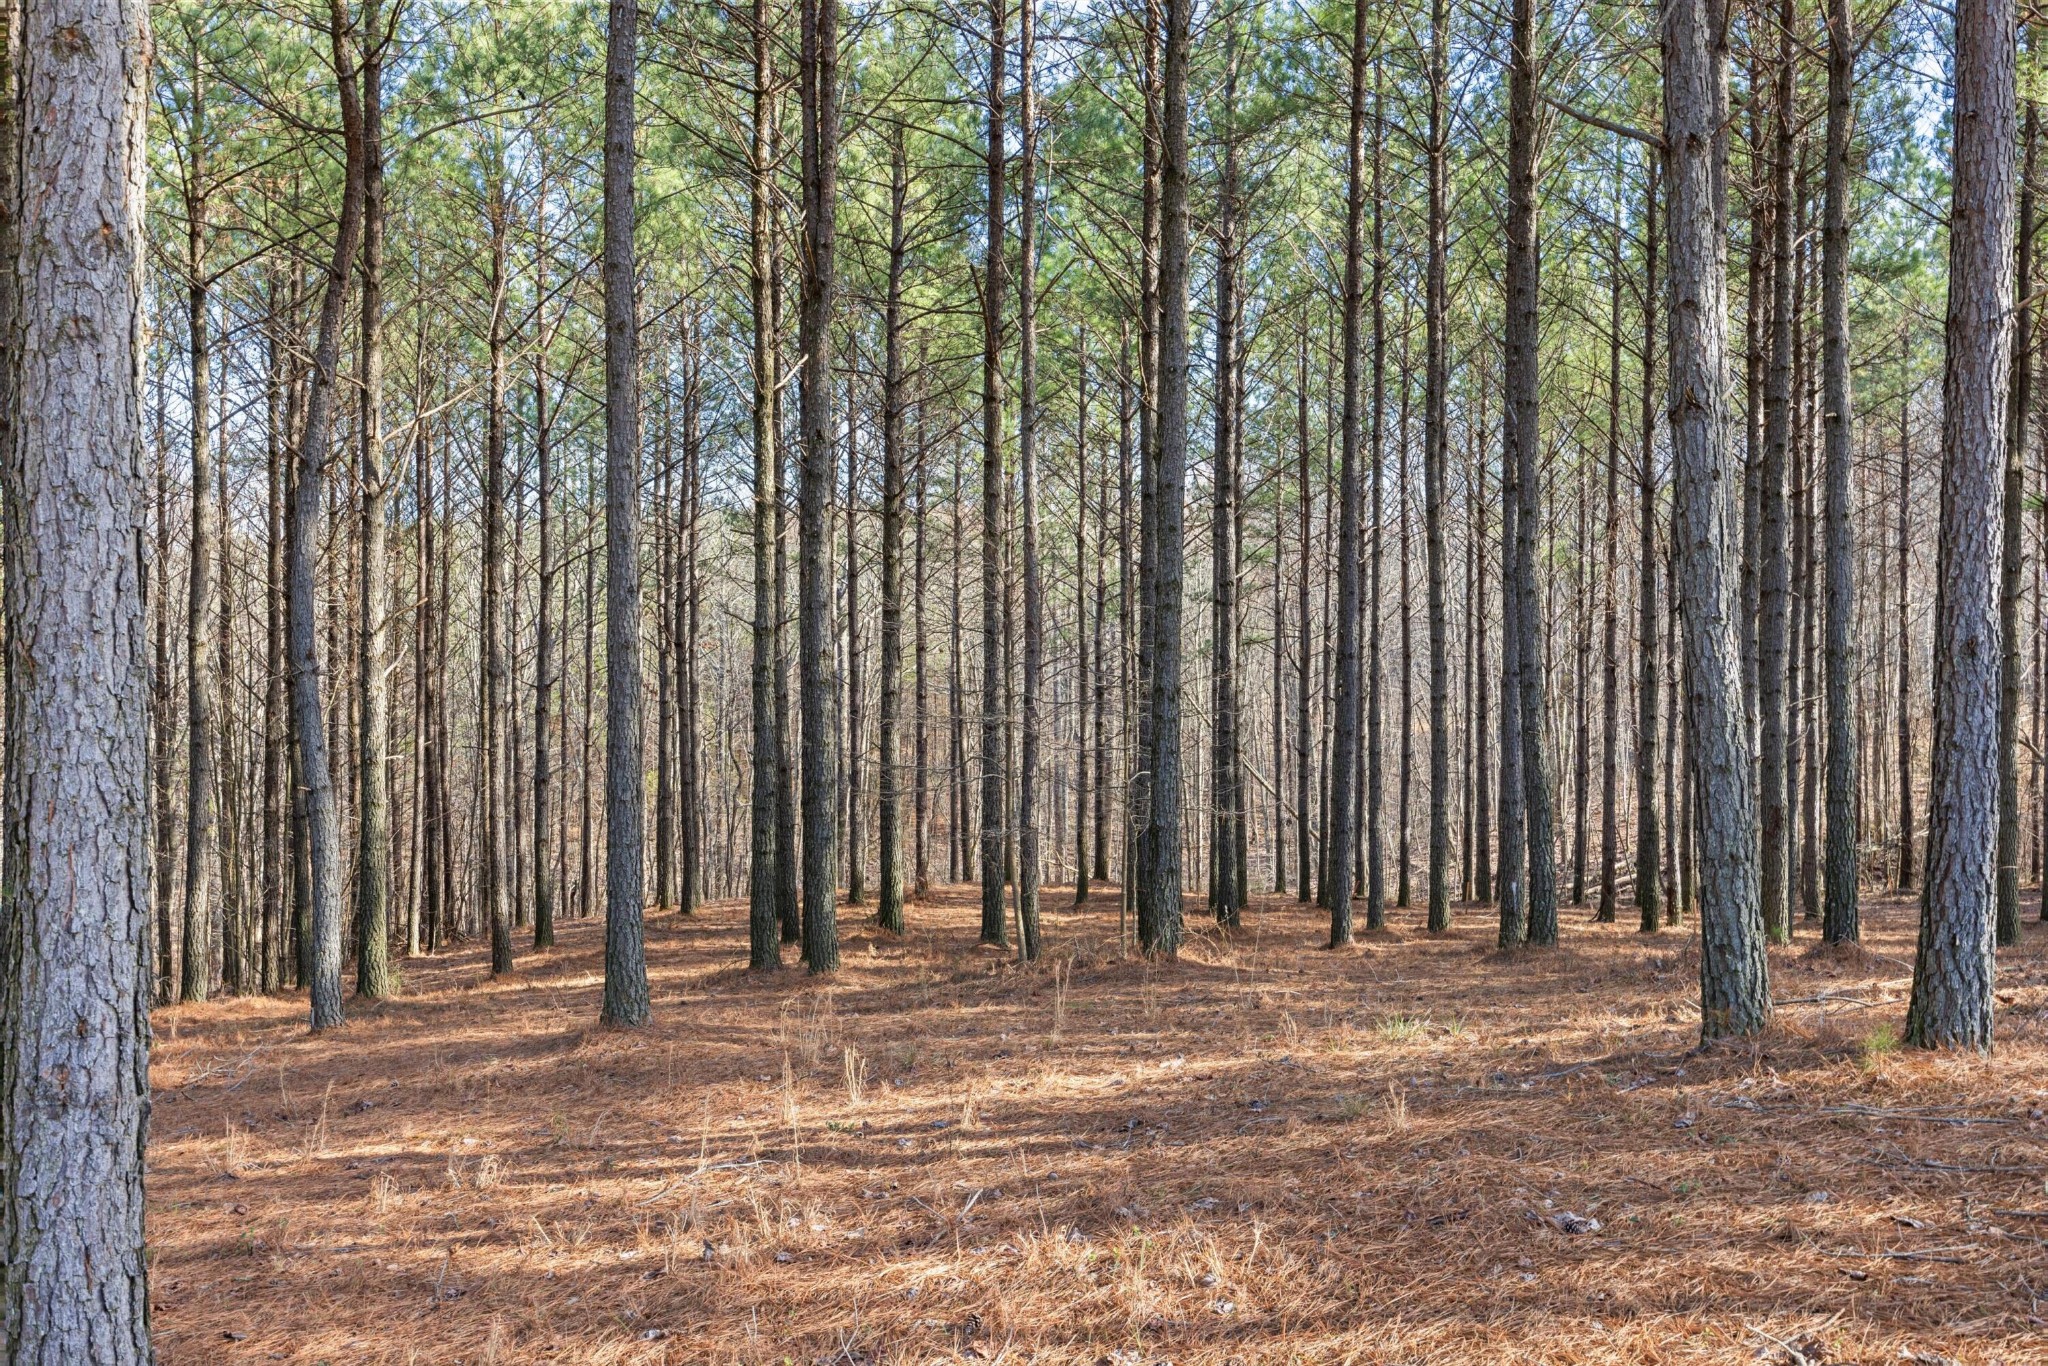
x: 1159, y: 909
x: 764, y: 948
x: 816, y: 685
x: 889, y: 911
x: 1027, y: 462
x: 1339, y: 832
x: 1735, y: 996
x: 375, y: 977
x: 202, y: 821
x: 1648, y: 874
x: 994, y: 779
x: 625, y: 799
x: 1522, y: 450
x: 309, y: 511
x: 74, y: 918
x: 1839, y: 919
x: 2013, y: 550
x: 1952, y: 977
x: 1436, y: 467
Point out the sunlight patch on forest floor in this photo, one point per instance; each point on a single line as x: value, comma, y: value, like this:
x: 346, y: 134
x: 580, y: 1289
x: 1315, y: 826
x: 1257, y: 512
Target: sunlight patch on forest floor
x: 1416, y: 1150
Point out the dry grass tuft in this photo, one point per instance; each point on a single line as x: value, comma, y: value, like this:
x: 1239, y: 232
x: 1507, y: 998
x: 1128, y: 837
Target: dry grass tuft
x: 1416, y: 1151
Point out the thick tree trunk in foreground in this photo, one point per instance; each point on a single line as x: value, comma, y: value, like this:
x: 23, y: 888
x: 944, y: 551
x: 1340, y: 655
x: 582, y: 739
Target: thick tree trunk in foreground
x: 1735, y: 997
x: 625, y: 798
x: 74, y: 921
x: 1952, y: 976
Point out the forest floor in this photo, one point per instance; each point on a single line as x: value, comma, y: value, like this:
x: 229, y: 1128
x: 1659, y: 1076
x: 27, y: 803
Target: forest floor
x: 1418, y: 1150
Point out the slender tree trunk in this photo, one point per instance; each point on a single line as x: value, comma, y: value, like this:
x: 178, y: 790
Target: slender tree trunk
x: 1083, y: 675
x: 1649, y: 884
x: 1773, y: 574
x: 202, y: 821
x: 375, y: 977
x: 960, y: 846
x: 688, y: 615
x: 854, y: 735
x: 921, y: 817
x: 889, y: 914
x: 276, y: 805
x: 544, y: 665
x: 1159, y: 909
x: 994, y: 779
x: 1304, y: 701
x: 309, y: 506
x: 495, y: 692
x: 1735, y: 996
x: 1610, y: 613
x: 1339, y: 833
x: 1952, y: 977
x: 1839, y: 918
x: 1028, y: 872
x: 626, y: 1000
x: 1522, y: 448
x: 764, y: 851
x: 162, y: 723
x: 1436, y: 469
x: 2013, y: 551
x: 1483, y: 884
x: 816, y: 685
x: 1904, y: 619
x: 1224, y: 898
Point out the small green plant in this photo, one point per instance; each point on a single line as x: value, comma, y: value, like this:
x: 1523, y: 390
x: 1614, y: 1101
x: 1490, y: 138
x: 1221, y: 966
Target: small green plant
x: 1400, y: 1028
x: 1350, y: 1106
x: 1883, y: 1039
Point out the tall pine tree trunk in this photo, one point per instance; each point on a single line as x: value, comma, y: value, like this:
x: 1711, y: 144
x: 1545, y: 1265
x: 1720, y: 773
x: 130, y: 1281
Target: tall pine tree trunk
x: 1839, y: 918
x: 375, y: 977
x: 1027, y: 461
x: 1339, y: 832
x: 625, y: 959
x: 1159, y: 908
x: 764, y: 948
x: 74, y: 924
x: 309, y: 509
x: 1952, y: 977
x: 1735, y: 996
x: 815, y: 684
x: 1436, y: 468
x: 994, y: 778
x: 889, y: 914
x: 202, y: 821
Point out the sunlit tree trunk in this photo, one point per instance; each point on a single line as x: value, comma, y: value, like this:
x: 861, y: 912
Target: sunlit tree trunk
x: 1952, y: 977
